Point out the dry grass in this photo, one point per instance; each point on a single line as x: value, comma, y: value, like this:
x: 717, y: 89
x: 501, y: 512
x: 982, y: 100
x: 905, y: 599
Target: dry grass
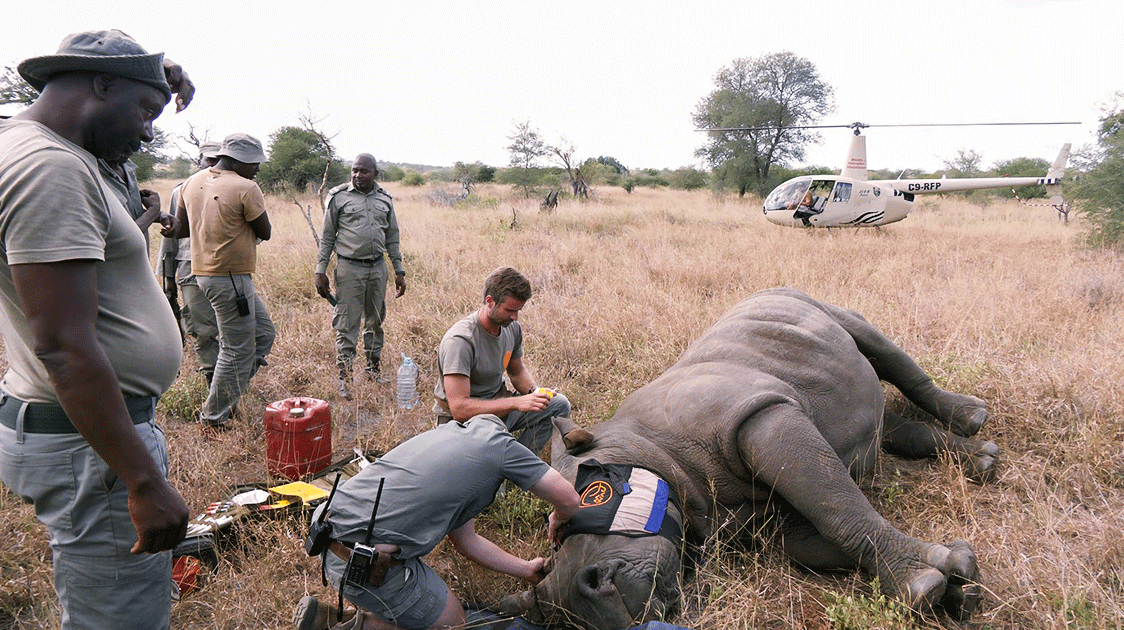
x: 999, y: 302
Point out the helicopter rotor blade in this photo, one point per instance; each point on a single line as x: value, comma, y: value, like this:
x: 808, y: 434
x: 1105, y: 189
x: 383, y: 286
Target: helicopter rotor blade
x: 858, y: 125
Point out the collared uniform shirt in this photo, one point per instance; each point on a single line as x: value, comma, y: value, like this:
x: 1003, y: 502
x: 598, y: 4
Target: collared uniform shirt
x: 359, y: 225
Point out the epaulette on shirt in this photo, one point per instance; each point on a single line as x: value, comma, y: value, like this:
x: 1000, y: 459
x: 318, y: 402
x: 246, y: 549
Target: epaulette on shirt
x: 336, y: 189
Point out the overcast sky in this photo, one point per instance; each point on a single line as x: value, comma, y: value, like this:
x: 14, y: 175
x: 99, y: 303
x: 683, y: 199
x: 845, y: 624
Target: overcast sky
x: 440, y: 82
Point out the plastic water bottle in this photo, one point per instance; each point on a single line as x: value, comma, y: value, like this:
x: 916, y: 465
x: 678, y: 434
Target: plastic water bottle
x: 407, y: 383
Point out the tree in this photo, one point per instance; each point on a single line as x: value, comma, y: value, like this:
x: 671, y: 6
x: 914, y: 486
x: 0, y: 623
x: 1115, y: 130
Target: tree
x: 687, y: 178
x: 13, y: 89
x: 1100, y: 191
x: 613, y: 163
x: 967, y: 163
x: 769, y: 95
x: 564, y: 152
x: 151, y: 155
x: 1022, y: 167
x: 477, y: 172
x: 299, y: 159
x: 391, y: 172
x: 526, y: 148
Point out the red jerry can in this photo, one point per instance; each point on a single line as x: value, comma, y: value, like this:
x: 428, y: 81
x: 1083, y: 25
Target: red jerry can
x: 298, y: 437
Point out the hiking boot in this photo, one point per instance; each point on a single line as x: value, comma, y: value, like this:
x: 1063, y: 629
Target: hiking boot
x: 375, y: 375
x: 313, y: 615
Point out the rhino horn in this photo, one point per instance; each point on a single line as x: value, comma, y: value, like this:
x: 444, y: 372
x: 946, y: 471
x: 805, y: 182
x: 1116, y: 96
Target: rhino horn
x: 521, y: 605
x: 575, y: 438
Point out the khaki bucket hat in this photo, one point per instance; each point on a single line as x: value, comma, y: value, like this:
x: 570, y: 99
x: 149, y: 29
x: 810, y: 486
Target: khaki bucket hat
x: 112, y: 52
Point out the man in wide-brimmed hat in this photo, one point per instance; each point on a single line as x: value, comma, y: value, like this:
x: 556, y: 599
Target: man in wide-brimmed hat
x: 90, y: 342
x: 223, y: 211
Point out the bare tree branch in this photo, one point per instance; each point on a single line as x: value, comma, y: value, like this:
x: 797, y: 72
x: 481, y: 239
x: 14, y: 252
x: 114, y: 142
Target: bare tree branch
x: 309, y: 122
x: 307, y: 212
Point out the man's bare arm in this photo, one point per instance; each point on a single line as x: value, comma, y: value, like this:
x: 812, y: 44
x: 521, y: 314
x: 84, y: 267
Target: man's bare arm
x: 463, y: 406
x: 520, y: 376
x: 261, y: 227
x: 60, y: 303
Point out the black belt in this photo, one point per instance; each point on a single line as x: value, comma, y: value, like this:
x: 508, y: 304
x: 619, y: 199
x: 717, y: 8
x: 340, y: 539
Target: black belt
x: 48, y: 418
x: 361, y: 261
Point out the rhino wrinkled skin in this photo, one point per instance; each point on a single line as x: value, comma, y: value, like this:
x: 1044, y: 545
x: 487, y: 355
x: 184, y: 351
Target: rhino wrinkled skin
x: 777, y: 410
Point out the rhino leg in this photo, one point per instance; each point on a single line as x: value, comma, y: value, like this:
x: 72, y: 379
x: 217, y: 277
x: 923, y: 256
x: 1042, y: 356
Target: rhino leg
x: 782, y: 448
x: 917, y: 439
x: 964, y: 415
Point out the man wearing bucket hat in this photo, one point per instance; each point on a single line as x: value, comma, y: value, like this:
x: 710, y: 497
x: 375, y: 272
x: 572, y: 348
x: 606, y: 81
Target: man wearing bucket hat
x: 90, y: 343
x: 197, y: 316
x: 223, y: 211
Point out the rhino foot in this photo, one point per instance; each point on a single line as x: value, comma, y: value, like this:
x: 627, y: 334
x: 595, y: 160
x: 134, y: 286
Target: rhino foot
x: 964, y: 591
x: 924, y: 591
x: 969, y: 415
x: 980, y: 461
x: 946, y: 577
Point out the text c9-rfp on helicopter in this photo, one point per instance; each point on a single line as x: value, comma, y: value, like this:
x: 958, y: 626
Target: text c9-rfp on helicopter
x: 851, y: 200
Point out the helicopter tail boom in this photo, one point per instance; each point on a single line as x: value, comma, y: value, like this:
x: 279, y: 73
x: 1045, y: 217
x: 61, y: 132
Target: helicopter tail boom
x: 1057, y: 169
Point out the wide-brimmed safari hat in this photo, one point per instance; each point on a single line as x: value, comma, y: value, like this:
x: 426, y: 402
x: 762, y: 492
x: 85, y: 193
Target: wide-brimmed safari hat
x: 112, y: 52
x: 210, y: 149
x: 242, y: 147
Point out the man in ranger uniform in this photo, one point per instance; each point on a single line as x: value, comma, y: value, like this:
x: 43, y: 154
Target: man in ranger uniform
x: 361, y: 228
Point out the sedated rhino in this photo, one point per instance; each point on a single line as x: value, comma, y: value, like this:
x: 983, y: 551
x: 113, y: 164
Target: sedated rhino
x: 776, y: 410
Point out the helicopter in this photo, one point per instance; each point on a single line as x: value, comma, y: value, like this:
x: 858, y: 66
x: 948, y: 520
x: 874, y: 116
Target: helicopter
x: 849, y: 199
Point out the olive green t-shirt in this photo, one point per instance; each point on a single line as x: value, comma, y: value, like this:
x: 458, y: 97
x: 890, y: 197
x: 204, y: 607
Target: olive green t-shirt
x: 55, y: 207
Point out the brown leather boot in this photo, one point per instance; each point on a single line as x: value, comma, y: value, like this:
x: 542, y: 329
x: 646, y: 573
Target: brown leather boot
x: 311, y: 614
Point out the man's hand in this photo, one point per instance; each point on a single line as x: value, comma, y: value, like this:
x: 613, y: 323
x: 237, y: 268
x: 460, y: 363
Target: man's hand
x: 399, y: 284
x: 553, y: 524
x: 180, y: 84
x: 532, y: 402
x: 536, y: 572
x: 150, y: 199
x: 170, y: 290
x: 159, y: 516
x: 322, y: 286
x: 170, y: 224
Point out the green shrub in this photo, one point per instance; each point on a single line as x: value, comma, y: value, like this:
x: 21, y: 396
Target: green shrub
x: 413, y: 178
x: 867, y: 612
x: 391, y: 173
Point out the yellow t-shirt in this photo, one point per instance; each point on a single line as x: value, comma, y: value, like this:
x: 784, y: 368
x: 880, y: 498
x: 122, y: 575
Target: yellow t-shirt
x: 220, y: 206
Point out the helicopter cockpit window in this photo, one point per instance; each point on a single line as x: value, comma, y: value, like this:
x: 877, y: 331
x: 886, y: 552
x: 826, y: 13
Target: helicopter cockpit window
x: 814, y: 199
x: 842, y: 193
x: 786, y: 196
